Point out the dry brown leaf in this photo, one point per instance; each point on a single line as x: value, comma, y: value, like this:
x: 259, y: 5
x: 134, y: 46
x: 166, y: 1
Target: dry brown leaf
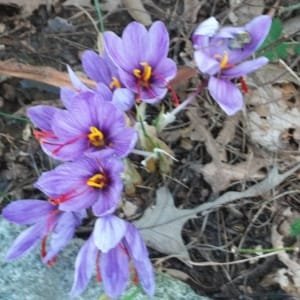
x: 28, y: 6
x: 81, y: 3
x: 245, y: 10
x: 137, y: 11
x: 288, y: 278
x: 226, y: 135
x: 191, y: 9
x: 274, y: 118
x: 43, y: 74
x: 162, y: 224
x: 110, y: 5
x: 292, y: 26
x: 220, y: 176
x: 273, y: 73
x: 218, y: 173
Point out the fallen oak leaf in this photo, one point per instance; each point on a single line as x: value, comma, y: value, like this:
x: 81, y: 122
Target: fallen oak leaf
x: 43, y: 74
x: 162, y: 224
x: 221, y: 175
x: 137, y: 11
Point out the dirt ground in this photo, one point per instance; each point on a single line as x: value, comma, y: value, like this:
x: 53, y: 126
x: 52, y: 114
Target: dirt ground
x: 215, y: 154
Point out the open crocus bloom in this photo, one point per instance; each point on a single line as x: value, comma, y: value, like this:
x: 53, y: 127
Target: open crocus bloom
x: 141, y: 58
x: 88, y: 125
x: 220, y: 53
x: 46, y: 219
x: 110, y: 248
x: 93, y: 180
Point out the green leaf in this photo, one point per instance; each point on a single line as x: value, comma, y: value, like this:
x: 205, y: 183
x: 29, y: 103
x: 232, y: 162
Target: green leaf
x: 274, y: 47
x: 274, y: 34
x: 295, y: 228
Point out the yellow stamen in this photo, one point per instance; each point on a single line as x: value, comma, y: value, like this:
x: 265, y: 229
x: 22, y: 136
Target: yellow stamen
x: 96, y: 137
x: 144, y: 75
x: 98, y: 181
x: 147, y: 71
x: 115, y: 83
x: 224, y: 60
x: 137, y: 73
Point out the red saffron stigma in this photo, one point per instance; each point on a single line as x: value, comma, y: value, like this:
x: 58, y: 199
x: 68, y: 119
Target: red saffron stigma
x: 43, y: 247
x: 60, y: 199
x: 174, y: 96
x: 39, y: 134
x: 135, y: 278
x: 244, y: 85
x: 98, y: 273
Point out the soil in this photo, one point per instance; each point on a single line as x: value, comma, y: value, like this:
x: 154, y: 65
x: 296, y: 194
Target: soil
x: 43, y: 39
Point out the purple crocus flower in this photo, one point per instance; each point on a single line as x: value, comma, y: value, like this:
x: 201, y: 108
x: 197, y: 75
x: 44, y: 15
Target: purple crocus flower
x: 122, y: 98
x: 220, y: 53
x: 88, y: 125
x: 89, y: 181
x: 46, y: 219
x: 141, y: 58
x: 111, y: 246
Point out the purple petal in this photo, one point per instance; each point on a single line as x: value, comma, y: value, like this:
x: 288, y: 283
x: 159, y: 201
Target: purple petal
x: 115, y: 50
x: 108, y: 200
x: 27, y: 211
x: 123, y: 99
x: 78, y: 85
x: 139, y: 253
x: 123, y: 141
x: 205, y: 63
x: 67, y: 97
x: 107, y: 114
x: 258, y: 28
x: 245, y: 68
x: 84, y: 266
x: 228, y: 32
x: 82, y: 198
x: 128, y: 80
x: 226, y: 94
x: 154, y: 94
x: 26, y: 241
x: 115, y: 271
x: 96, y: 67
x: 62, y: 234
x: 164, y: 72
x: 135, y: 43
x: 108, y: 232
x: 208, y: 27
x: 42, y: 115
x: 65, y: 178
x: 158, y: 43
x: 103, y: 93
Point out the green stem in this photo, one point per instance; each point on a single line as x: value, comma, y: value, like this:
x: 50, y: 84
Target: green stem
x: 268, y: 250
x: 8, y: 116
x: 100, y: 17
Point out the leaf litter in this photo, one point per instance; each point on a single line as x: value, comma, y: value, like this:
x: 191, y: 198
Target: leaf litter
x: 161, y: 225
x: 233, y: 179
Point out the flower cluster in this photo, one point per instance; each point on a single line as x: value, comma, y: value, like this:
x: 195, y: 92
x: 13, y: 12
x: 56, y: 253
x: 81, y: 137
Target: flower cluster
x: 220, y: 54
x: 92, y: 135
